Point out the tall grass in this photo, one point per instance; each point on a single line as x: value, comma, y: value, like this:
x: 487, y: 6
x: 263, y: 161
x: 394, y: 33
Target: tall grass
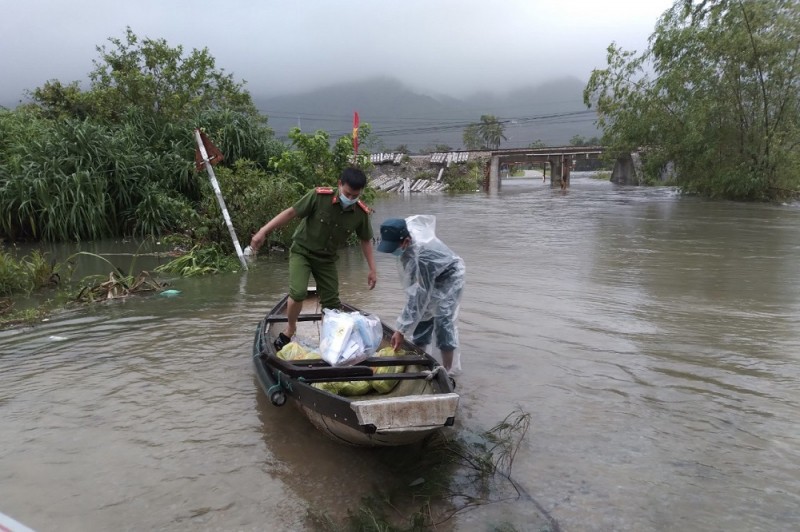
x: 73, y: 179
x: 26, y: 274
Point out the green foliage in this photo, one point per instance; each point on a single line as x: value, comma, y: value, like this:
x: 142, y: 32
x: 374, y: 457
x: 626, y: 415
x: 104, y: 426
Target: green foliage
x: 27, y: 274
x: 427, y: 173
x: 491, y: 131
x: 76, y: 179
x: 201, y: 261
x: 58, y: 101
x: 472, y: 138
x: 722, y: 103
x: 252, y: 197
x: 117, y: 160
x: 9, y: 317
x: 159, y: 212
x: 463, y: 177
x: 314, y: 162
x: 538, y: 143
x: 150, y: 75
x: 485, y: 135
x: 580, y: 140
x: 241, y: 135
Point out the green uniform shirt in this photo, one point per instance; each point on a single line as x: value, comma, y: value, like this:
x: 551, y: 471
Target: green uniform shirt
x: 325, y: 224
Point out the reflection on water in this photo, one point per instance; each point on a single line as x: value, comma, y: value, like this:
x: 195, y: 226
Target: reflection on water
x: 653, y: 338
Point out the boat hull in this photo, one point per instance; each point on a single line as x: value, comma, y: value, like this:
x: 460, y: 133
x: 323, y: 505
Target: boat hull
x: 423, y: 401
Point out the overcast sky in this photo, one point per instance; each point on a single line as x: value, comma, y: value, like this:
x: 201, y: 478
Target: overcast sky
x: 452, y: 47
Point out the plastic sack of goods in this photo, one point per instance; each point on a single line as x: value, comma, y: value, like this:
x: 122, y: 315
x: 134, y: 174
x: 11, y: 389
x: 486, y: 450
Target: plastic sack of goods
x: 349, y: 337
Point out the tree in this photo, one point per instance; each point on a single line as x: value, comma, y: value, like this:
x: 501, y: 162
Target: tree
x: 537, y: 144
x: 150, y: 75
x: 722, y: 102
x: 485, y: 135
x: 314, y: 162
x: 58, y: 101
x: 471, y: 138
x: 491, y: 131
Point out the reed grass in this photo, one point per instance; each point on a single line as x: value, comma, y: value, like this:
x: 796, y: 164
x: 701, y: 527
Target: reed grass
x: 73, y: 180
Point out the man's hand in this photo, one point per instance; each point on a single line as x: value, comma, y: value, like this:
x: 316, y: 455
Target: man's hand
x: 397, y: 339
x: 258, y: 240
x: 372, y: 278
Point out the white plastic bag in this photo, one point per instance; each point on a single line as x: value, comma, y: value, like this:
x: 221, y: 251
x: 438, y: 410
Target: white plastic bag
x: 341, y: 341
x: 371, y: 331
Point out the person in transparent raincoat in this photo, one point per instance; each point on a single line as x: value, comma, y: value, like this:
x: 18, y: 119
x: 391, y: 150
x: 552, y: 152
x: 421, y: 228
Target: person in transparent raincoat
x: 433, y: 281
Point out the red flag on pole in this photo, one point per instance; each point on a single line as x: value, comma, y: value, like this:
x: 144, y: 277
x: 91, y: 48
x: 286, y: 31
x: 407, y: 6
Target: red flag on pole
x: 214, y: 155
x: 355, y: 132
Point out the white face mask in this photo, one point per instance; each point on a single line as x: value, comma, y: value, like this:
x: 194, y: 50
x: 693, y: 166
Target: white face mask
x: 346, y: 201
x: 399, y: 251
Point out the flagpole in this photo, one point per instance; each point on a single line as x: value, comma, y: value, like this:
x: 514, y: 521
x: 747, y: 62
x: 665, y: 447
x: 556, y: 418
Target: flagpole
x: 220, y: 200
x: 355, y: 137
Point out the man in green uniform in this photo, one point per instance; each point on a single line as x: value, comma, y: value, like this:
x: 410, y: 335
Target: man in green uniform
x: 328, y: 218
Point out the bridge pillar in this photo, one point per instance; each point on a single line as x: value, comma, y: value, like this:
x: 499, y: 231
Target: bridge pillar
x: 494, y: 175
x: 560, y: 168
x: 627, y: 170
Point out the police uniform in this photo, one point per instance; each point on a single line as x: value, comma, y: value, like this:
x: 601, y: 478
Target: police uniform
x: 324, y: 227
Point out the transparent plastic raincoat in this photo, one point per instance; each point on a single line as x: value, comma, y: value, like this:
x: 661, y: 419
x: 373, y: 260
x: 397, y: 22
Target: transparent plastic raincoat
x: 433, y: 280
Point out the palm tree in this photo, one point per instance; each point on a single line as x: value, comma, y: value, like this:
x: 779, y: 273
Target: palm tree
x: 491, y: 131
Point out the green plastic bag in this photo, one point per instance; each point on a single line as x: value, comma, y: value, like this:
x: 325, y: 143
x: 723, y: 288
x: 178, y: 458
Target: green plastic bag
x: 295, y: 351
x: 386, y: 386
x: 349, y: 389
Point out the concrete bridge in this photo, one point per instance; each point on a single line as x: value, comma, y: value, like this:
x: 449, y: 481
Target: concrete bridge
x: 561, y: 161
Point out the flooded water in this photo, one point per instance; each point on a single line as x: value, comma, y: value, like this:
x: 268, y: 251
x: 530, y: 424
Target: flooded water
x: 654, y: 339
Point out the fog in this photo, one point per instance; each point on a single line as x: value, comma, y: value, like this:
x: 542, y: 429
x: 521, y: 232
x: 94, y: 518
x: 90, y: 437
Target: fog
x: 442, y: 47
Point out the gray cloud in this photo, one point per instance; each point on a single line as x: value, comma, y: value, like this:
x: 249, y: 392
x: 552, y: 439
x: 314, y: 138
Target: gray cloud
x: 449, y: 47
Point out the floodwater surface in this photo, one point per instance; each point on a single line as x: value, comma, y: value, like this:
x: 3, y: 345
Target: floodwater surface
x: 654, y: 339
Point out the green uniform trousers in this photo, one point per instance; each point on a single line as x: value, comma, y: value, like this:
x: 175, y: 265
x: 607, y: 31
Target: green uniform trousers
x: 302, y: 267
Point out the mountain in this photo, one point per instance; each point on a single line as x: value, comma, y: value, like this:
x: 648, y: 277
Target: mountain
x: 399, y: 115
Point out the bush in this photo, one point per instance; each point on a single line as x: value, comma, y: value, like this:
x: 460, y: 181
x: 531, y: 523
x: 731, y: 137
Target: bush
x: 252, y: 197
x: 463, y: 177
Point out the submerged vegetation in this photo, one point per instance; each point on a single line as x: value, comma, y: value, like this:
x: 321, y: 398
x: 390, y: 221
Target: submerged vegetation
x: 445, y: 477
x: 21, y: 277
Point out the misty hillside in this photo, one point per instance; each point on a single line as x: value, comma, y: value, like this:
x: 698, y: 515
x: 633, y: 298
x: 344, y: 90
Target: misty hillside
x: 399, y: 115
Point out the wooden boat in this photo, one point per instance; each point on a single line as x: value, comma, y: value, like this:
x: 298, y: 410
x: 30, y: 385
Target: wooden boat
x: 8, y: 524
x: 421, y: 403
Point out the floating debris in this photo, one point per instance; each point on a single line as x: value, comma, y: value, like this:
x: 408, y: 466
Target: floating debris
x: 170, y: 293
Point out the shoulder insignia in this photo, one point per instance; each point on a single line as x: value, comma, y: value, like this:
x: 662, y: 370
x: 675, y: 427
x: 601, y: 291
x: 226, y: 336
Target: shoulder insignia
x: 324, y: 190
x: 364, y: 207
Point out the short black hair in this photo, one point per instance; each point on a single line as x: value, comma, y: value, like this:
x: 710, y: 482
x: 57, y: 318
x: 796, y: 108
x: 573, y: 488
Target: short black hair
x: 354, y: 177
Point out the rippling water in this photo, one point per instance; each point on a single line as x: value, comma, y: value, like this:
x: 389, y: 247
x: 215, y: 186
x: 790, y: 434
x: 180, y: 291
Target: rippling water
x: 653, y: 338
